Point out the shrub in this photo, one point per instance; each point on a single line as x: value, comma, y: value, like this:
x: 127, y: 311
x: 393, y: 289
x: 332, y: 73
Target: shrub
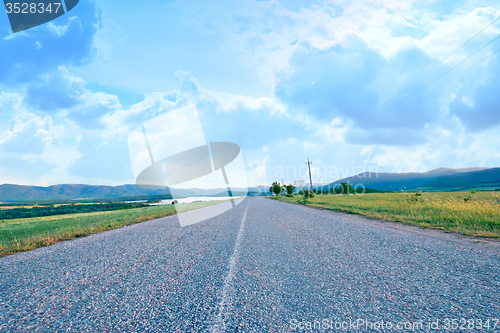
x: 289, y: 190
x: 308, y: 194
x: 276, y: 188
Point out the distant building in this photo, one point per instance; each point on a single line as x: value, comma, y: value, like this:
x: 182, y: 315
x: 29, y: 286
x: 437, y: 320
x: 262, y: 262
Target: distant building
x: 298, y: 183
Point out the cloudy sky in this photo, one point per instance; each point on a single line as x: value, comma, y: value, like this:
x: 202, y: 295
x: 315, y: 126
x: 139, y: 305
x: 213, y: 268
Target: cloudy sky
x: 345, y: 83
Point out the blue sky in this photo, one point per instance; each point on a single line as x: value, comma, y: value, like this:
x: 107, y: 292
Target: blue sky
x: 285, y: 80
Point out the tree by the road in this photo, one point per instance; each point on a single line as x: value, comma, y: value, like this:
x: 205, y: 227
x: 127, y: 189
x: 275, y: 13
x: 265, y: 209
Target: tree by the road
x: 346, y: 188
x: 289, y: 189
x: 276, y: 188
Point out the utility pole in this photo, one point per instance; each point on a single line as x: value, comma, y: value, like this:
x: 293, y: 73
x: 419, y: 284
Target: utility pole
x: 310, y: 179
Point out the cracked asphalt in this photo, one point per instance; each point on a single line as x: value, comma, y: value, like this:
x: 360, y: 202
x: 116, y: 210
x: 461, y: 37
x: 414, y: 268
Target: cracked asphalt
x: 264, y: 266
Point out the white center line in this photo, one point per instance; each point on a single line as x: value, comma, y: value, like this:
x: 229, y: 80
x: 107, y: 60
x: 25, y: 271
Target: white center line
x: 225, y: 304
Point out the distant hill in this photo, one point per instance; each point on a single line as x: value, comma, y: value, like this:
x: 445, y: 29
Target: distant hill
x: 479, y: 180
x: 23, y: 193
x: 17, y: 193
x: 403, y: 181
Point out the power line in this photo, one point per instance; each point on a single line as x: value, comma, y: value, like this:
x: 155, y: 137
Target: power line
x: 461, y: 62
x: 439, y: 63
x: 477, y: 63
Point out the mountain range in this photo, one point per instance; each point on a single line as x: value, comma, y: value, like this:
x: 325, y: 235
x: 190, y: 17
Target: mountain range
x: 24, y: 193
x: 442, y: 179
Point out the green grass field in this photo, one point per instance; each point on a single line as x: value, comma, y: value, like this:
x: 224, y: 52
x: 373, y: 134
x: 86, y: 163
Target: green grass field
x: 474, y: 214
x: 26, y: 234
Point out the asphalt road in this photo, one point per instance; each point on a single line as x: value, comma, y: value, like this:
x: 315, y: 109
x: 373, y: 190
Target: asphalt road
x: 264, y: 266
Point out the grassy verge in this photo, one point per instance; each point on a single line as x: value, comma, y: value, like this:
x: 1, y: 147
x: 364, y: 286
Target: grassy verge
x: 474, y: 214
x: 26, y: 234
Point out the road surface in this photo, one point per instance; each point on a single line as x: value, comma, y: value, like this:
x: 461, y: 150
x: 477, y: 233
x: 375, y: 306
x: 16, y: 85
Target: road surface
x: 264, y: 266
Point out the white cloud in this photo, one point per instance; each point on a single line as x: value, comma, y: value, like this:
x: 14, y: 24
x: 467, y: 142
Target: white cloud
x: 37, y: 140
x: 61, y: 30
x: 9, y: 102
x: 333, y: 132
x: 447, y: 35
x: 60, y: 92
x: 191, y: 92
x: 458, y: 150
